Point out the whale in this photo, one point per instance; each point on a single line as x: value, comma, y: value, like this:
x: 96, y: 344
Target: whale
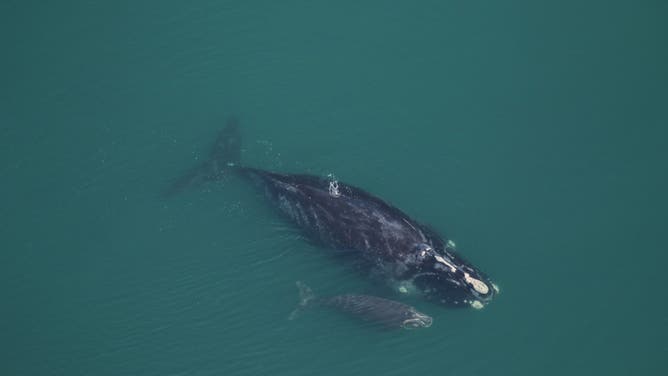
x: 377, y: 237
x: 385, y: 312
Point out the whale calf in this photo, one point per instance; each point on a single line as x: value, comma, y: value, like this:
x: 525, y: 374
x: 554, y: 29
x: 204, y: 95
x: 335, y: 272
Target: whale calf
x: 389, y: 313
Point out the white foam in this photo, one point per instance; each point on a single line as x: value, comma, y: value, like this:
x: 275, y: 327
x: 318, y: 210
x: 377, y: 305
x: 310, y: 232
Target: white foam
x: 333, y: 186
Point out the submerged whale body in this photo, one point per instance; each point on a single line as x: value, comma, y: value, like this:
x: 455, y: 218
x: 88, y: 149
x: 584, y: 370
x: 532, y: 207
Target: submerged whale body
x: 340, y: 216
x: 389, y: 313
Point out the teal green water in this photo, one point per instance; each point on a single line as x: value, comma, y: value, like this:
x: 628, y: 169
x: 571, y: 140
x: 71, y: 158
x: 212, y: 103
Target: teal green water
x: 535, y: 135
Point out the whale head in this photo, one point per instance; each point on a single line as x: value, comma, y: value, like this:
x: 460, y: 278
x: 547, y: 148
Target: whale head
x: 445, y: 277
x: 417, y: 320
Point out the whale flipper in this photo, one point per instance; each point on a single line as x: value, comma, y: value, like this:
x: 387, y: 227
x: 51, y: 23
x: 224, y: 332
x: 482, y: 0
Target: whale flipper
x: 306, y: 296
x: 225, y: 153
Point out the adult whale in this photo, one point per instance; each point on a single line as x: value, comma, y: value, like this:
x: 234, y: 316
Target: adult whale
x: 379, y: 236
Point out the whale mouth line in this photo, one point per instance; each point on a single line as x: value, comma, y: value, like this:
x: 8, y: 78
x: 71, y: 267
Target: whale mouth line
x: 418, y: 322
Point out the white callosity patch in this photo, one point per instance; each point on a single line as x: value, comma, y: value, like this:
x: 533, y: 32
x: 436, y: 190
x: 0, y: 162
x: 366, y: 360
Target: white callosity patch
x: 476, y: 304
x: 477, y: 284
x: 444, y: 262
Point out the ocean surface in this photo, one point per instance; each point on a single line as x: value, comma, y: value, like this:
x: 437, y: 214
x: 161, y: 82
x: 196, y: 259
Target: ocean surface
x: 534, y: 134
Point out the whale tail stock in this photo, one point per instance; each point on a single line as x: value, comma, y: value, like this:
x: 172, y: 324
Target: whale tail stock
x: 306, y: 296
x: 224, y: 155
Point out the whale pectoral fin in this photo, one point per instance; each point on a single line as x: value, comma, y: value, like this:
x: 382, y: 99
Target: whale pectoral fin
x: 306, y: 297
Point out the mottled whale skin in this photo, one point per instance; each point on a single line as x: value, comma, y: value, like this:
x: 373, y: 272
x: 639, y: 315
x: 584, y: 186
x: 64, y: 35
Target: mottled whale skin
x: 388, y: 313
x: 395, y: 246
x: 390, y: 243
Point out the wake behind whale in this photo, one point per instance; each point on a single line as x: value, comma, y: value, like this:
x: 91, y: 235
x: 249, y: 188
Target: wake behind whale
x: 388, y: 242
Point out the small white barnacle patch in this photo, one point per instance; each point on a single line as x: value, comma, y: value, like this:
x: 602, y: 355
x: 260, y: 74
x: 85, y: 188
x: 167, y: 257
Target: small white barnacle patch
x: 476, y: 304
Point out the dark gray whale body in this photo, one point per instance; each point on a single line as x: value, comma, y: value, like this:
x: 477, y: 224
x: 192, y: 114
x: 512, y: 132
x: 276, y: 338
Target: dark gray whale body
x: 406, y: 254
x: 388, y: 313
